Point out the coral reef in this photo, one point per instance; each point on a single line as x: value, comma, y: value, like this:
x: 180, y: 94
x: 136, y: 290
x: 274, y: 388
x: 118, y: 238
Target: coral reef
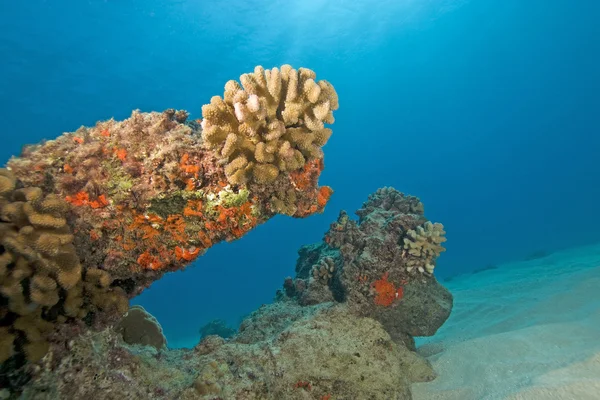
x: 381, y: 266
x: 341, y: 329
x: 140, y: 327
x: 93, y: 217
x: 151, y: 179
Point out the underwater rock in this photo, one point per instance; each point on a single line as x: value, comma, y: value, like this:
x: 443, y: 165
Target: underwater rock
x: 325, y: 351
x: 138, y: 326
x: 343, y: 328
x: 321, y: 351
x: 217, y: 327
x: 374, y: 266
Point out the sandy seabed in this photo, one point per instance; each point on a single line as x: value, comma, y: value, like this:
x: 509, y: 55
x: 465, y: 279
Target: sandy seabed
x: 525, y: 330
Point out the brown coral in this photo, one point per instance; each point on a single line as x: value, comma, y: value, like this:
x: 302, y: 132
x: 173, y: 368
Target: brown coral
x: 41, y: 278
x: 323, y: 271
x: 273, y: 122
x: 140, y: 327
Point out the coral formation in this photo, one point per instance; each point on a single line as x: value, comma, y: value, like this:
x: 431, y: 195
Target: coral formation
x: 323, y: 271
x: 42, y: 282
x: 272, y: 123
x: 156, y: 180
x: 342, y: 329
x: 384, y: 267
x: 425, y: 242
x: 140, y: 327
x: 93, y: 217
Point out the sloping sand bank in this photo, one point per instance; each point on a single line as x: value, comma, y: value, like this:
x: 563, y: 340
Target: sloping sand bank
x: 526, y: 330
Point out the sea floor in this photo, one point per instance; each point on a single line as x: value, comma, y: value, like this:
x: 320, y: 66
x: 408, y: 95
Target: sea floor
x: 524, y: 330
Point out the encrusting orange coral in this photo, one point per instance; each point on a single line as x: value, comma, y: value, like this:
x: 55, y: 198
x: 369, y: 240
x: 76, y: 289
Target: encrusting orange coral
x: 83, y: 198
x: 121, y: 154
x: 100, y: 202
x: 385, y: 291
x: 323, y: 196
x: 79, y: 199
x: 193, y: 208
x: 186, y: 254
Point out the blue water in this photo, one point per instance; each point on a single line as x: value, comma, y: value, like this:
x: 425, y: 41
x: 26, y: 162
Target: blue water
x: 488, y: 110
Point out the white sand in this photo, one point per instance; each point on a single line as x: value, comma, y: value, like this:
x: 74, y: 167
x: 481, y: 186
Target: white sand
x: 527, y: 330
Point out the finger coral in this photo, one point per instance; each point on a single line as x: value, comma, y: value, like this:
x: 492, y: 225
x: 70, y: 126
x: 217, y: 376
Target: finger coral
x: 270, y: 123
x: 424, y: 242
x: 323, y: 271
x: 42, y: 282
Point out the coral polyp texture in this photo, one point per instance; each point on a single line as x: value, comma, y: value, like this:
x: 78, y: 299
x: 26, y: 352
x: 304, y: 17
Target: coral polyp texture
x: 381, y: 266
x: 270, y: 124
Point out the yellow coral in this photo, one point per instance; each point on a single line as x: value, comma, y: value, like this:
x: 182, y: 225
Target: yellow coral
x: 7, y: 182
x: 43, y: 291
x: 40, y: 271
x: 98, y: 277
x: 323, y: 271
x: 284, y: 202
x: 271, y: 123
x: 425, y: 242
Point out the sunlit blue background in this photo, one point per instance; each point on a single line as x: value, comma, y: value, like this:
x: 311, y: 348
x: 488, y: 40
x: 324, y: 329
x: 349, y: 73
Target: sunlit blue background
x: 488, y: 110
